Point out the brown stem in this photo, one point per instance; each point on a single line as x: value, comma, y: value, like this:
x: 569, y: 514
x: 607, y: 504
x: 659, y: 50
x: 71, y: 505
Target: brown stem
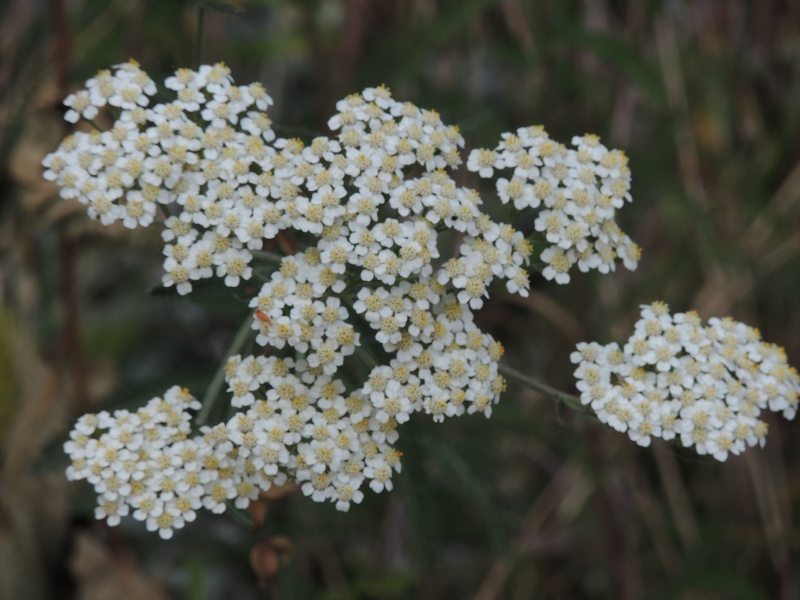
x: 62, y: 44
x: 70, y: 350
x: 70, y: 347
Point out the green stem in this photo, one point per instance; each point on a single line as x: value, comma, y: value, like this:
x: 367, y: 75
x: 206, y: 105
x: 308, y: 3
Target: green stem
x: 167, y: 210
x: 239, y: 515
x: 513, y: 213
x: 365, y: 356
x: 215, y: 387
x: 270, y: 257
x: 201, y: 29
x: 572, y: 401
x: 361, y: 351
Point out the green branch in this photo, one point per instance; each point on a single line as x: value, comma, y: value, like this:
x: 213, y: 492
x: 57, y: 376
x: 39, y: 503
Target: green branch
x: 268, y: 257
x: 571, y: 401
x: 215, y: 387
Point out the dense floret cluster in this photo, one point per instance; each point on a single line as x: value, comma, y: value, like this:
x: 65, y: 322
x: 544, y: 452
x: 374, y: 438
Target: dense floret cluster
x: 676, y: 378
x: 204, y: 160
x: 579, y: 191
x: 145, y: 464
x: 367, y: 323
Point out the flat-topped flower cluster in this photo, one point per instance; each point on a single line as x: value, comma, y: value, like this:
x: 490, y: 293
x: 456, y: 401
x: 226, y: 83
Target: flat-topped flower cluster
x: 677, y: 378
x: 146, y: 464
x: 579, y: 189
x: 367, y: 325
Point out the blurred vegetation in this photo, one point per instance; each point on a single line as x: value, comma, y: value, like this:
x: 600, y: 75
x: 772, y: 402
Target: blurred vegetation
x: 537, y: 502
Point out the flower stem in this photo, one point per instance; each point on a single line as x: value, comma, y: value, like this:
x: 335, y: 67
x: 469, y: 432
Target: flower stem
x: 94, y: 124
x: 366, y: 357
x: 168, y: 212
x: 571, y: 401
x: 268, y: 257
x: 215, y: 387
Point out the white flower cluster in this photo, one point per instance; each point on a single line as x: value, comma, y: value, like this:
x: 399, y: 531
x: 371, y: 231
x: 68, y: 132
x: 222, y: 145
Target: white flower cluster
x: 206, y: 156
x: 579, y: 191
x: 309, y: 429
x: 371, y: 291
x: 675, y: 377
x: 146, y: 464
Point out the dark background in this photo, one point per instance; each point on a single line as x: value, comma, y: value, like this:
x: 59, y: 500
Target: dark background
x: 537, y: 502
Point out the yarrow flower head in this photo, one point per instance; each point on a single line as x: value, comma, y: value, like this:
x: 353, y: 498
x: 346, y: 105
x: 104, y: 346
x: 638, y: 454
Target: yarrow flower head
x: 365, y: 326
x: 707, y: 385
x: 578, y: 191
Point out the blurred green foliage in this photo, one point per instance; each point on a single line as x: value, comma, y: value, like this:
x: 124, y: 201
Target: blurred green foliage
x: 537, y: 502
